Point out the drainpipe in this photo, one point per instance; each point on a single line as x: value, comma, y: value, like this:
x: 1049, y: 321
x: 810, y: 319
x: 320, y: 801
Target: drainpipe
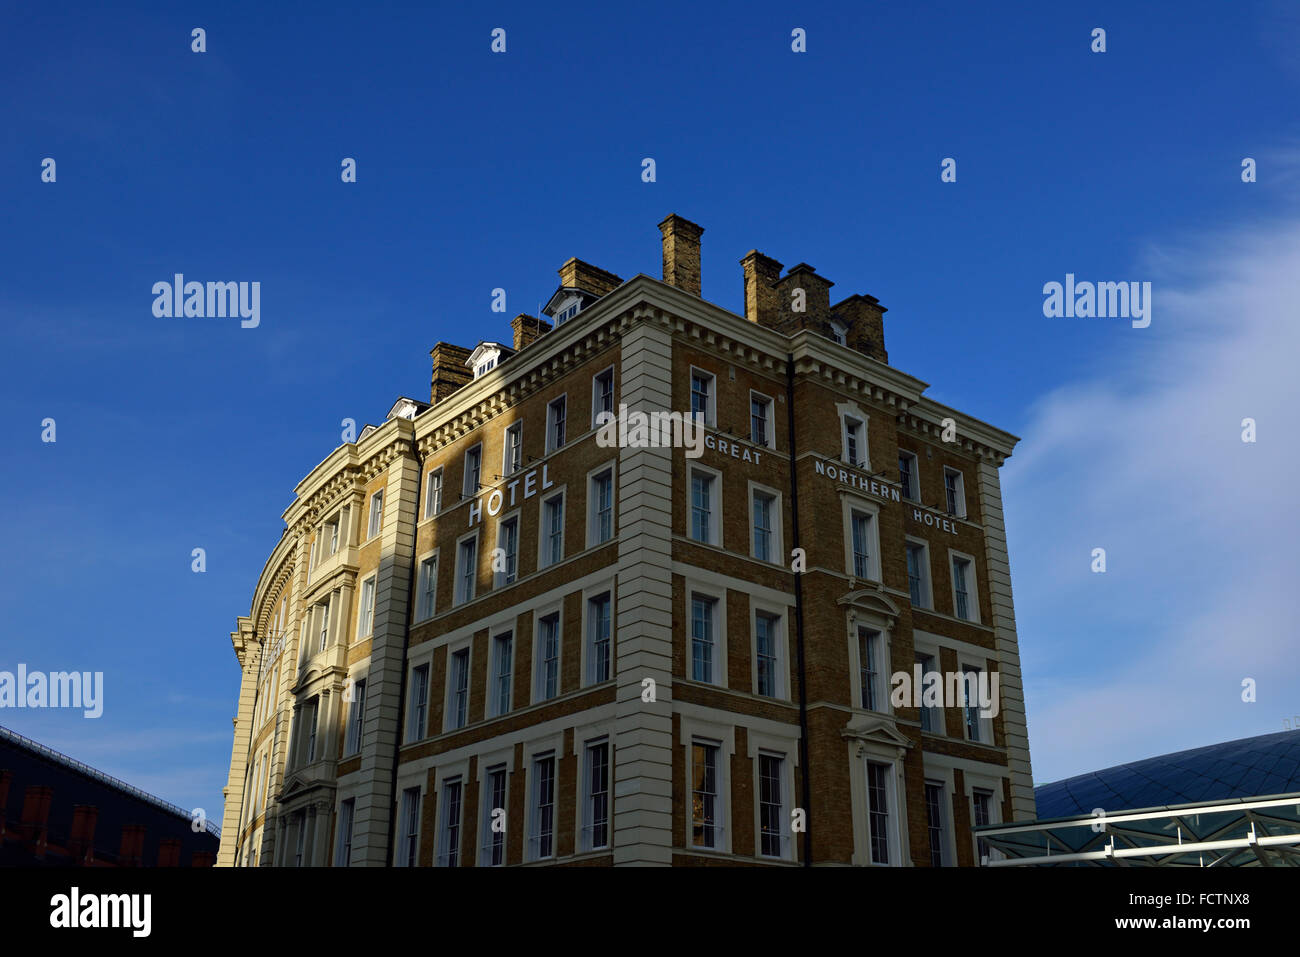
x: 406, y: 643
x: 798, y: 619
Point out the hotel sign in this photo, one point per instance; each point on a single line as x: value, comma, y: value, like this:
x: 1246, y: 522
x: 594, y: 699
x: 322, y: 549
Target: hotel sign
x: 885, y: 491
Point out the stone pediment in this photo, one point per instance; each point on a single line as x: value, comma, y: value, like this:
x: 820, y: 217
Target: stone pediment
x: 870, y: 599
x: 875, y: 730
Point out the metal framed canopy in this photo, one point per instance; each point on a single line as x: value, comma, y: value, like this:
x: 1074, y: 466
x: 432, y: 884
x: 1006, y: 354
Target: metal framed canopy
x: 1238, y: 832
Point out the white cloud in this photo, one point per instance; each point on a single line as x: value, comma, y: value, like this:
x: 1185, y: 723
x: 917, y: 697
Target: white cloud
x: 1144, y: 458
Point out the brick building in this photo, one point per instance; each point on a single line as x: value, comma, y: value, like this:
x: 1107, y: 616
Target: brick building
x: 489, y: 635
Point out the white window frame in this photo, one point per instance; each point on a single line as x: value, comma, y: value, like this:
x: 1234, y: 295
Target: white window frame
x: 696, y: 589
x: 433, y: 492
x: 375, y: 519
x: 782, y: 641
x: 488, y: 764
x: 552, y: 746
x: 927, y: 576
x: 503, y: 578
x: 493, y: 709
x: 711, y: 400
x: 966, y: 663
x: 459, y: 597
x: 839, y: 333
x: 787, y: 749
x: 506, y: 466
x: 405, y: 836
x: 593, y: 502
x: 769, y: 441
x: 343, y: 847
x: 417, y: 727
x: 777, y: 519
x: 882, y: 690
x: 366, y: 610
x: 356, y: 718
x: 947, y: 851
x: 313, y: 728
x: 885, y: 667
x: 973, y: 782
x: 938, y: 714
x: 972, y: 586
x: 552, y: 444
x: 323, y: 632
x: 588, y: 645
x: 862, y: 506
x: 724, y: 736
x: 582, y: 744
x: 715, y: 537
x: 960, y: 492
x: 556, y: 609
x: 448, y: 709
x: 859, y: 432
x: 441, y: 847
x: 595, y: 395
x: 914, y: 473
x: 544, y: 528
x: 465, y: 490
x: 894, y: 844
x: 426, y: 584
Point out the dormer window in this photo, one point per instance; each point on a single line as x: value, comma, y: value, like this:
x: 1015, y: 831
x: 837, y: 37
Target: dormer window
x: 568, y: 313
x: 838, y: 331
x: 487, y: 356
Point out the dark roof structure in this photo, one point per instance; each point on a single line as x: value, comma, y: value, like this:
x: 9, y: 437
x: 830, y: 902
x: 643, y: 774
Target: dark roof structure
x: 1250, y: 767
x: 56, y: 811
x: 1235, y: 804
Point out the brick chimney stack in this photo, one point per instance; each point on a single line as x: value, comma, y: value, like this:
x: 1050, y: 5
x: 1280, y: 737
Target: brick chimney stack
x: 580, y: 275
x: 682, y: 253
x: 864, y: 318
x: 762, y: 304
x: 449, y: 371
x: 528, y: 329
x: 816, y: 300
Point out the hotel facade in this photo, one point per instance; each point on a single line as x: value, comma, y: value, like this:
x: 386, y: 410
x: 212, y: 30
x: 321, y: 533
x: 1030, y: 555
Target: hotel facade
x: 490, y: 636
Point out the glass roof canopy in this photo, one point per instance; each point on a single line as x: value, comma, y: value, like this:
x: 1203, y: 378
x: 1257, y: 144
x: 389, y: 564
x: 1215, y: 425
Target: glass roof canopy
x: 1236, y: 832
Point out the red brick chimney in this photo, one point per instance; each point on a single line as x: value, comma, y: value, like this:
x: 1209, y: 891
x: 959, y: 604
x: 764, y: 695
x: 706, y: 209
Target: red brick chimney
x: 131, y: 852
x: 169, y: 852
x: 36, y: 816
x: 81, y: 837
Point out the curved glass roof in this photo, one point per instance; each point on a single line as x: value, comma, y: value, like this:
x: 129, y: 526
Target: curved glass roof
x: 1251, y: 767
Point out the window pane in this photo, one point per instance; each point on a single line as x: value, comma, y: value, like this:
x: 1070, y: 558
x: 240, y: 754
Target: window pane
x: 877, y: 797
x: 770, y: 812
x: 765, y: 640
x: 702, y: 639
x: 704, y: 795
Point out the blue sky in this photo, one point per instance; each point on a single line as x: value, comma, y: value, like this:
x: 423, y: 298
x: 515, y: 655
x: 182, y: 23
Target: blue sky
x: 478, y: 171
